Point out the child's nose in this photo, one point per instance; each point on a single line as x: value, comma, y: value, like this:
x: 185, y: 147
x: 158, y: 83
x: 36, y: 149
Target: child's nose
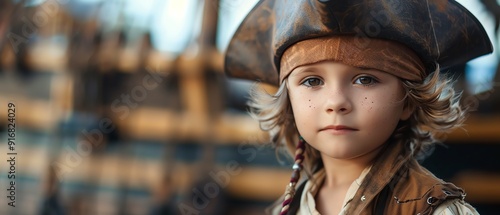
x: 338, y: 102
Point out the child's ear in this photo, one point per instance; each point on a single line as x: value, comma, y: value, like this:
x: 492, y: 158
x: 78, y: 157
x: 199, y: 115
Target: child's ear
x: 408, y: 110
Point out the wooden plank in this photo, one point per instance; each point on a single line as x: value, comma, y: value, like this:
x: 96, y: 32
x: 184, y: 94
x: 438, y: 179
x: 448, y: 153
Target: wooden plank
x: 477, y: 128
x: 481, y: 187
x: 260, y: 183
x: 193, y: 89
x: 36, y: 114
x: 161, y: 124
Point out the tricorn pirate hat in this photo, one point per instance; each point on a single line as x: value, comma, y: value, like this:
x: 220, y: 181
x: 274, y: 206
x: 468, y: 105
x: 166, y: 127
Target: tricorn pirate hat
x: 439, y: 31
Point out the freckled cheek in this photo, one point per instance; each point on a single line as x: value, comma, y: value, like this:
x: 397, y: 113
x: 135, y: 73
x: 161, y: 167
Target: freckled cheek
x: 302, y: 106
x: 311, y: 104
x: 305, y: 101
x: 367, y: 103
x: 379, y: 101
x: 305, y: 112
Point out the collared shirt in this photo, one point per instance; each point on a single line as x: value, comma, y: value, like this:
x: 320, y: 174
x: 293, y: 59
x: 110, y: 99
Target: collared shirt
x: 307, y: 198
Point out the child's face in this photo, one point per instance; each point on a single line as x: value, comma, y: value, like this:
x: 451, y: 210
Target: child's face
x: 345, y: 112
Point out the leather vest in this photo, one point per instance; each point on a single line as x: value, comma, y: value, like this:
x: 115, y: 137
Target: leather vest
x: 413, y: 191
x: 397, y: 184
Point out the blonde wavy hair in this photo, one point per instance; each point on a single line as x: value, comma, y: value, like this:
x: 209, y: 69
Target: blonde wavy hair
x: 436, y: 107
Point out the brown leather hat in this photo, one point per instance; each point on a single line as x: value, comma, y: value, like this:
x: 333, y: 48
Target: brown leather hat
x: 438, y: 31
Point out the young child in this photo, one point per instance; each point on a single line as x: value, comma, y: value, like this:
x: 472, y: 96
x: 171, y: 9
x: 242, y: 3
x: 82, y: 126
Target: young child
x: 360, y: 98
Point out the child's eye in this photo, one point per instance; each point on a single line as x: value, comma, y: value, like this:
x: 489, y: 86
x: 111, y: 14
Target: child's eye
x: 312, y: 82
x: 365, y: 80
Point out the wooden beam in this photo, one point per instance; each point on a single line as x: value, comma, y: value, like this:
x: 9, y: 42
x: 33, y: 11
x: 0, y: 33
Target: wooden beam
x: 481, y: 187
x: 477, y: 128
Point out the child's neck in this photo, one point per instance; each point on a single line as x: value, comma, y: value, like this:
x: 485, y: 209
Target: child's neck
x: 342, y: 172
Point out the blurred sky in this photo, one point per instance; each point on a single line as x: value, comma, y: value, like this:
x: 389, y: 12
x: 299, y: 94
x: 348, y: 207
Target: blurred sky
x: 174, y: 24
